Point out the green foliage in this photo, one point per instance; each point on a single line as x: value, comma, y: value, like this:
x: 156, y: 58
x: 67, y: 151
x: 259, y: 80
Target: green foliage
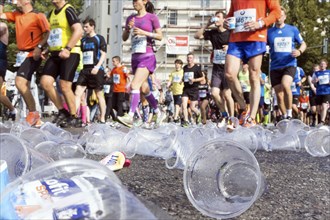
x: 313, y: 21
x: 41, y: 6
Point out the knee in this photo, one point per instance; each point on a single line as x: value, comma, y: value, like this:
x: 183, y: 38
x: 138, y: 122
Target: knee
x: 45, y: 84
x: 65, y: 88
x: 230, y: 77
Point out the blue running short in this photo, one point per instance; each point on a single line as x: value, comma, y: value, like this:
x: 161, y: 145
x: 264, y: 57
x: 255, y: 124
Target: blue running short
x: 246, y: 50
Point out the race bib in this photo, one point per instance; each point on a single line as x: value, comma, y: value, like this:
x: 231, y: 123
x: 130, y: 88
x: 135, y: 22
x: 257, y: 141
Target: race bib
x: 283, y: 44
x: 304, y: 105
x: 106, y: 88
x: 243, y: 16
x: 202, y: 93
x: 293, y: 87
x: 88, y: 57
x: 55, y: 38
x: 244, y: 87
x: 20, y: 57
x: 219, y: 56
x: 116, y: 78
x: 139, y: 44
x: 323, y: 79
x: 188, y: 75
x: 176, y: 79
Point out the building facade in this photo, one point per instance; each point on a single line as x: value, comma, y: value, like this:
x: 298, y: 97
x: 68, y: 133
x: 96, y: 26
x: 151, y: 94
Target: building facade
x: 179, y: 21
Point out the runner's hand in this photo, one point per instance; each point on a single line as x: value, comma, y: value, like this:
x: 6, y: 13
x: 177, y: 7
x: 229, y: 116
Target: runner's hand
x: 36, y: 53
x: 64, y: 54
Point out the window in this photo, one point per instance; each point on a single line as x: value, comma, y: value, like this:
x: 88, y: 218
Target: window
x: 88, y: 3
x: 116, y: 34
x: 117, y: 6
x: 108, y: 35
x: 205, y: 3
x: 203, y: 59
x: 109, y: 7
x: 171, y: 55
x: 172, y: 17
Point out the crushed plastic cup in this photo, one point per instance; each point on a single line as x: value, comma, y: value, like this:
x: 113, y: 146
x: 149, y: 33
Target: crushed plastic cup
x: 222, y: 179
x: 71, y: 189
x: 55, y: 133
x: 153, y: 143
x: 317, y: 143
x: 20, y: 158
x: 63, y: 150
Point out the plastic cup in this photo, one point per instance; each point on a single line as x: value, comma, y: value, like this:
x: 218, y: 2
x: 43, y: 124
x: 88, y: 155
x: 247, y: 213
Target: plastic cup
x: 222, y: 179
x: 188, y: 140
x: 55, y: 133
x: 33, y: 136
x: 72, y: 189
x: 20, y: 158
x: 289, y: 142
x: 245, y: 137
x: 153, y: 143
x: 317, y: 143
x: 231, y: 23
x: 59, y: 151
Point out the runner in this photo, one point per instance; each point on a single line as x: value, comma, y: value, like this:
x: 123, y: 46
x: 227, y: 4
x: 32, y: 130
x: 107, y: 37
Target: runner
x: 119, y: 75
x: 94, y: 50
x: 32, y: 31
x: 192, y: 77
x: 248, y: 43
x: 282, y: 39
x: 64, y: 48
x: 219, y: 38
x: 3, y: 68
x: 143, y: 27
x: 175, y: 84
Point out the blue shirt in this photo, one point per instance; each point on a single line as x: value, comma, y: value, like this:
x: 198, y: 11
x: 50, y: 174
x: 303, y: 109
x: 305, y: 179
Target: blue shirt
x: 297, y: 78
x: 281, y: 42
x: 323, y: 86
x: 263, y: 76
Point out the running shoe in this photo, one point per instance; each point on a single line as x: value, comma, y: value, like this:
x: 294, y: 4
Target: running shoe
x: 242, y: 118
x: 61, y: 116
x: 161, y: 116
x: 198, y: 118
x: 249, y: 123
x: 185, y: 124
x: 126, y: 120
x: 71, y: 122
x: 39, y: 123
x: 32, y: 118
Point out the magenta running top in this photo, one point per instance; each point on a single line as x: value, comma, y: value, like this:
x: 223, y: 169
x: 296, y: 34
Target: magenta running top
x: 149, y: 23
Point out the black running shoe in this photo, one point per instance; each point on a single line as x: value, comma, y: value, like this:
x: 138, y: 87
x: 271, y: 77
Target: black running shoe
x: 71, y: 122
x: 61, y: 116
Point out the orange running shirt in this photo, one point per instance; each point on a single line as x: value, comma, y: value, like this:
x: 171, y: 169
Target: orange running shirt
x: 119, y: 79
x: 29, y: 29
x: 258, y: 8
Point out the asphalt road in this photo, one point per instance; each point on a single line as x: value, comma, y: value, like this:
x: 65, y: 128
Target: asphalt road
x: 298, y: 187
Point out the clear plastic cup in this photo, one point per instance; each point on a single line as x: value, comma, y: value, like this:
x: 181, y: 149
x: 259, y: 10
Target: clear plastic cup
x: 222, y: 179
x: 288, y: 141
x: 20, y: 158
x: 33, y: 136
x: 63, y: 150
x: 293, y: 125
x: 153, y: 143
x: 317, y: 143
x: 245, y: 137
x: 55, y: 133
x: 188, y: 140
x: 71, y: 189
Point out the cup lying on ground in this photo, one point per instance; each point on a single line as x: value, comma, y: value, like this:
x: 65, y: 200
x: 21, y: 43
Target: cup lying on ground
x: 71, y: 189
x: 289, y: 141
x: 222, y: 179
x: 63, y: 150
x: 55, y: 133
x: 317, y: 143
x: 33, y: 136
x: 20, y: 158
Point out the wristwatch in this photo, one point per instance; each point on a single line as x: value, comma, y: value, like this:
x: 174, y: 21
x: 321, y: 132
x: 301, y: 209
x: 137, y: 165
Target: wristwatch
x: 40, y: 46
x: 68, y: 48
